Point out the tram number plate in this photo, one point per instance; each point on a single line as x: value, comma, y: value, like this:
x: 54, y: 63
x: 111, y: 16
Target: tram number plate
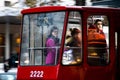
x: 36, y: 73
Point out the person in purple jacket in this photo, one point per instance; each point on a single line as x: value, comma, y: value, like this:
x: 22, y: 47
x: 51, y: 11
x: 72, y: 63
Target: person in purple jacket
x: 51, y: 42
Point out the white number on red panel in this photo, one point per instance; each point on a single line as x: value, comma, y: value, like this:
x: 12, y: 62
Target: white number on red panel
x: 36, y: 73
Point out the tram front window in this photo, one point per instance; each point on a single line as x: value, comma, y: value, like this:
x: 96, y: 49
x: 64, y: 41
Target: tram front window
x: 41, y: 38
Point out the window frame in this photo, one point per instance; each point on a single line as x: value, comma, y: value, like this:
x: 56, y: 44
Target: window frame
x: 107, y: 38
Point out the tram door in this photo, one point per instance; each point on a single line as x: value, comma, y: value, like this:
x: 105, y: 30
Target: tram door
x: 117, y: 39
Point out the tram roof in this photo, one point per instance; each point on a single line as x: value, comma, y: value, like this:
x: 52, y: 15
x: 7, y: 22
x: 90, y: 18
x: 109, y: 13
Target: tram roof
x: 63, y: 8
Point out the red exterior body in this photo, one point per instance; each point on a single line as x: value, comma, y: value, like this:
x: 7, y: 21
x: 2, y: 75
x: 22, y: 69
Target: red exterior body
x: 66, y: 72
x: 49, y: 73
x: 82, y: 71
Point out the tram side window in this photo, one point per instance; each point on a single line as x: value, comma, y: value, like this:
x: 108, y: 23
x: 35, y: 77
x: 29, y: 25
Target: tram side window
x: 98, y: 40
x: 73, y: 42
x: 41, y: 38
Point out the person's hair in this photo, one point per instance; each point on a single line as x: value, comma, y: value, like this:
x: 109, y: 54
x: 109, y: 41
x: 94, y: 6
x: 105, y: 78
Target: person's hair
x: 74, y: 31
x: 52, y: 29
x: 98, y: 21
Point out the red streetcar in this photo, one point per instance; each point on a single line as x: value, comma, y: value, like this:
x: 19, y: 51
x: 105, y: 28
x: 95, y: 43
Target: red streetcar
x: 70, y: 43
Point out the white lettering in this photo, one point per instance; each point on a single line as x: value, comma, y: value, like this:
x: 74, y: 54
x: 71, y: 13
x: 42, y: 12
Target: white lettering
x: 36, y: 74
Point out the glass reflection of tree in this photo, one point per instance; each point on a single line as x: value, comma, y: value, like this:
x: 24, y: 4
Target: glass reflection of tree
x: 44, y: 20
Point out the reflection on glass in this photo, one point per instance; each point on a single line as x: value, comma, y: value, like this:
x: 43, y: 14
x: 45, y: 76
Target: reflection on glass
x: 36, y: 28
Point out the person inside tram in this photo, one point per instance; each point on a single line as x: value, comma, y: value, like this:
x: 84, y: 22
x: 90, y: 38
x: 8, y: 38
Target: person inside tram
x: 99, y: 26
x: 75, y: 44
x: 76, y: 38
x: 51, y: 42
x: 97, y: 40
x: 96, y: 31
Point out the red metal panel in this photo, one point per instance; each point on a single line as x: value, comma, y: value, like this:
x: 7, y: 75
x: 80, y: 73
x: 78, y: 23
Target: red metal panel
x: 37, y: 72
x: 43, y: 9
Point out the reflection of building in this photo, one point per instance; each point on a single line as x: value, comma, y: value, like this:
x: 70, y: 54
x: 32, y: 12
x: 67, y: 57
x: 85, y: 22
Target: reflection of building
x: 107, y: 3
x: 9, y: 30
x: 9, y: 33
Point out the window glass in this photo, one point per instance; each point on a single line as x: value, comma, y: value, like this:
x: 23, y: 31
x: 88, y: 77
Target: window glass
x: 25, y: 42
x: 41, y: 38
x: 98, y: 40
x: 73, y: 40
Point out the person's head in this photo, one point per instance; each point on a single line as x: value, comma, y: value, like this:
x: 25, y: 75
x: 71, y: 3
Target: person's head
x: 54, y: 31
x: 99, y: 24
x: 76, y: 34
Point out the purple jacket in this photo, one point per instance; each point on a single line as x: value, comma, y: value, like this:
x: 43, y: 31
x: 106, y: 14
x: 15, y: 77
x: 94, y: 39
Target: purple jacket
x: 51, y: 52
